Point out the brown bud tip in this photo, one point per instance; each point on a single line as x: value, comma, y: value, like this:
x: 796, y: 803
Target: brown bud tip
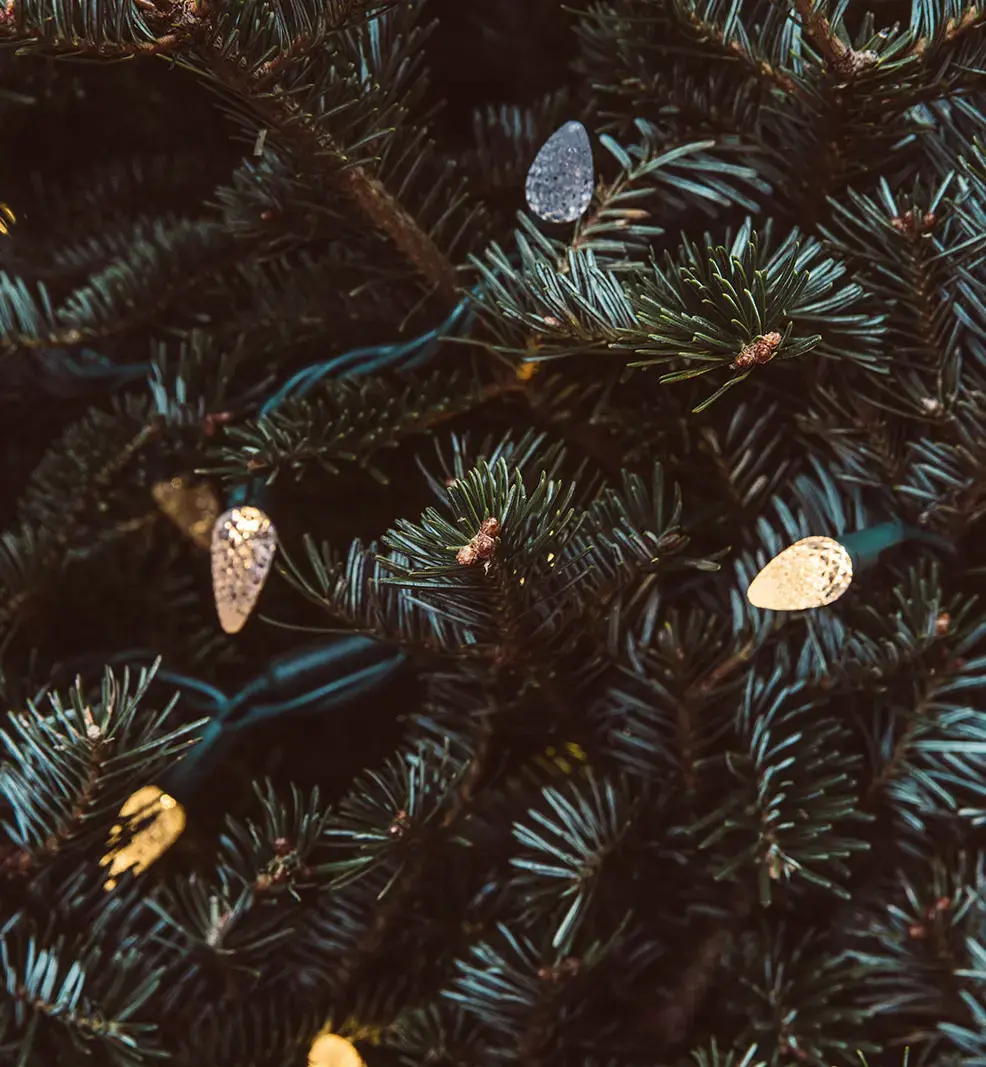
x: 851, y: 63
x: 482, y: 545
x: 914, y: 223
x: 467, y: 555
x: 759, y: 351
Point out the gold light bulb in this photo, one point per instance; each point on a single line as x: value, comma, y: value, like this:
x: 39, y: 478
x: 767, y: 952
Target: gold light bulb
x: 332, y: 1050
x: 160, y: 819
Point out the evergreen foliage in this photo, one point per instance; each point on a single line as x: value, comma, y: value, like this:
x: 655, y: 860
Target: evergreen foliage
x: 598, y: 810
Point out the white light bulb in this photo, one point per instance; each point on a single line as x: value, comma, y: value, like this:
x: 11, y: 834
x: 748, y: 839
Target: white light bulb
x: 243, y: 545
x: 560, y: 180
x: 811, y: 573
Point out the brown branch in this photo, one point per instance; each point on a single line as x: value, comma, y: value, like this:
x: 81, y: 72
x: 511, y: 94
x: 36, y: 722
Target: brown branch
x: 817, y: 27
x: 712, y: 32
x: 674, y: 1018
x: 177, y: 26
x: 278, y: 110
x: 706, y: 685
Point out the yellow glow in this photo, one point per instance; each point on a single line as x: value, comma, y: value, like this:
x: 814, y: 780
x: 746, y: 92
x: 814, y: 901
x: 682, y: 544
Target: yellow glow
x: 193, y: 508
x: 331, y: 1050
x: 162, y: 821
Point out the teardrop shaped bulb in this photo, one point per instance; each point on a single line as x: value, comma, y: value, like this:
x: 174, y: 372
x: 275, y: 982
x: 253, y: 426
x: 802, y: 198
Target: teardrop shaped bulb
x: 243, y: 545
x: 811, y: 573
x: 560, y: 180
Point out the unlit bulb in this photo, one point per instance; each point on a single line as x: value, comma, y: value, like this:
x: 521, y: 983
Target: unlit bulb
x: 560, y: 180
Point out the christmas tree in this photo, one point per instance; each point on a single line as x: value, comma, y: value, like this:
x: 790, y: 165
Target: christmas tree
x: 495, y: 581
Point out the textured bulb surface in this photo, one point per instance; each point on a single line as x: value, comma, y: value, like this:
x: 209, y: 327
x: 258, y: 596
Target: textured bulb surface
x: 560, y: 180
x: 811, y: 573
x: 243, y: 545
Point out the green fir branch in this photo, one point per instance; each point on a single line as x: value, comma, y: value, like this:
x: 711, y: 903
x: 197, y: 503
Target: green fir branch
x: 793, y: 816
x: 350, y: 422
x: 61, y: 1003
x: 87, y: 759
x: 804, y: 1007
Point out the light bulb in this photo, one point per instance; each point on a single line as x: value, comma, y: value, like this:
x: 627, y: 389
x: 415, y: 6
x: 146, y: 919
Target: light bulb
x: 811, y: 573
x: 560, y: 180
x: 243, y: 545
x: 332, y: 1050
x: 159, y: 820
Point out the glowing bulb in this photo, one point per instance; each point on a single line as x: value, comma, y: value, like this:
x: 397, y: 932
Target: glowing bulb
x: 811, y: 573
x: 159, y: 821
x: 331, y: 1050
x: 560, y: 180
x: 192, y: 508
x: 7, y: 218
x: 243, y: 545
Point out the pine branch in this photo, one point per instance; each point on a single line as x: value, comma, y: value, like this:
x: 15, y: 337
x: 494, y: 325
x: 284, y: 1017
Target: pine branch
x: 193, y: 32
x: 69, y: 772
x: 396, y: 828
x: 832, y: 50
x: 806, y: 1009
x: 936, y: 25
x: 277, y: 110
x: 926, y: 742
x: 60, y: 520
x: 351, y: 422
x: 60, y: 1002
x: 442, y: 1034
x: 134, y: 283
x: 920, y: 946
x: 566, y: 841
x: 789, y: 834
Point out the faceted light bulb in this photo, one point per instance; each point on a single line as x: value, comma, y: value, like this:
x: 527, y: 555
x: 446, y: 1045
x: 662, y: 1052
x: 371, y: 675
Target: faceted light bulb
x: 243, y: 545
x: 560, y: 180
x: 811, y: 573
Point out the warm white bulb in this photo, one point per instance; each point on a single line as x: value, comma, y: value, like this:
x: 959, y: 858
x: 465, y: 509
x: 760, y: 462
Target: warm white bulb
x: 811, y: 573
x: 243, y: 545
